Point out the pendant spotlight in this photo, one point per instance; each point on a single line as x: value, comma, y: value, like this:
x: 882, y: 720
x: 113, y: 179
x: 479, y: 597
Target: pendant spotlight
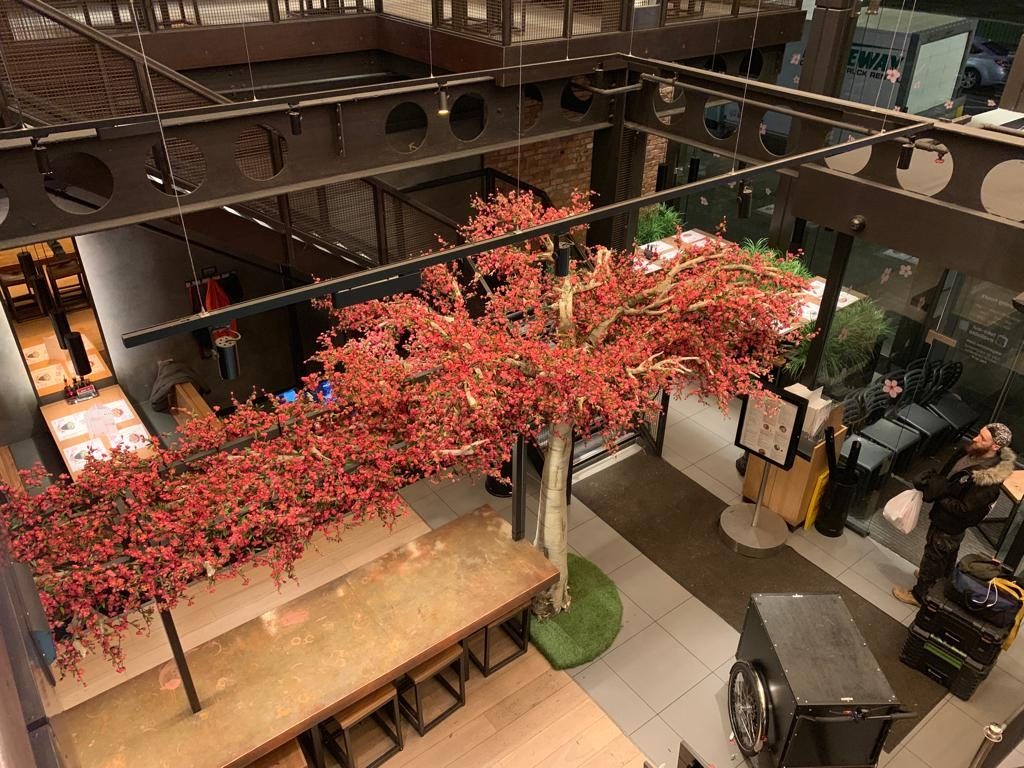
x: 906, y: 155
x: 225, y: 342
x: 744, y: 200
x: 295, y: 117
x: 442, y: 102
x: 42, y: 158
x: 562, y: 252
x: 75, y: 346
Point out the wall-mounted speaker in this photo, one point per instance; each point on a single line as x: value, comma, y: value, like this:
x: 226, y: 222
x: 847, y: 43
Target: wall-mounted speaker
x: 79, y: 357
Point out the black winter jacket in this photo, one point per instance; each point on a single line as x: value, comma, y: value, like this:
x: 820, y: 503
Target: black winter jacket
x: 964, y: 499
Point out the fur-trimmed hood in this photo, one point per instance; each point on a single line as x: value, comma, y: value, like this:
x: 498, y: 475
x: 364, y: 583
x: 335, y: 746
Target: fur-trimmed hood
x: 998, y: 471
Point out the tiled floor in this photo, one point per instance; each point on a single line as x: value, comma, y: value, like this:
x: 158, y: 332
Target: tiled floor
x: 664, y: 678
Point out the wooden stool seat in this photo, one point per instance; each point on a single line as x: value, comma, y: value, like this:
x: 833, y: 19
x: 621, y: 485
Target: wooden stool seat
x: 454, y: 659
x: 515, y: 624
x: 337, y: 731
x: 364, y: 708
x: 288, y: 756
x: 431, y: 667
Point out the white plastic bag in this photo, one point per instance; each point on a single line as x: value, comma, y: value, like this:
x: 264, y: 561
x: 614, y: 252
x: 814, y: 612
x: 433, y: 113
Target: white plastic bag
x: 903, y: 510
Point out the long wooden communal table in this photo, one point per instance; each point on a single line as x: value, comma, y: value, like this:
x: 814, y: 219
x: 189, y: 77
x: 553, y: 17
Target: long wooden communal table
x: 277, y: 676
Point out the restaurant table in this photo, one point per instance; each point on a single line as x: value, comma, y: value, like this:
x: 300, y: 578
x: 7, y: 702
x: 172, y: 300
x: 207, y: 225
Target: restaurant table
x: 50, y: 366
x: 69, y: 423
x: 277, y: 676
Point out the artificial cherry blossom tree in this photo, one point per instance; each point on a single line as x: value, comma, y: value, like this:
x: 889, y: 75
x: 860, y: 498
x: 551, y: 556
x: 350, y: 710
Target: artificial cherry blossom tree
x: 556, y: 352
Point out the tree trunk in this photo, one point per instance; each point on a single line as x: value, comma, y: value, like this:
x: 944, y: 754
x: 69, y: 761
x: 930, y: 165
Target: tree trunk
x: 553, y: 518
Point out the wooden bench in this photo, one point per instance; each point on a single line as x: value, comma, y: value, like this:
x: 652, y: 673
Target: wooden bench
x: 187, y: 404
x: 9, y: 470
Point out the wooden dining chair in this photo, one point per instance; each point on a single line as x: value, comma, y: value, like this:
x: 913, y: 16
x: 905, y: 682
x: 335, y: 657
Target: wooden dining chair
x: 18, y: 294
x: 337, y: 731
x: 450, y: 660
x: 67, y: 282
x: 516, y: 625
x: 288, y: 756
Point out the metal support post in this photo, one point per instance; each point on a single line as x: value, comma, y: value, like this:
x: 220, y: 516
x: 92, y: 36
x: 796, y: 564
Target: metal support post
x: 519, y: 489
x: 274, y: 10
x: 829, y: 303
x: 506, y: 23
x: 567, y: 19
x: 179, y: 660
x: 753, y: 530
x: 380, y: 224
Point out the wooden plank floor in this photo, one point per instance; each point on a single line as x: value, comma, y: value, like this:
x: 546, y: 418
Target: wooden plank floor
x: 233, y: 603
x: 524, y: 715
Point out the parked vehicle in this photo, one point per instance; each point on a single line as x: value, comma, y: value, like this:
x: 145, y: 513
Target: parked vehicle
x: 988, y: 63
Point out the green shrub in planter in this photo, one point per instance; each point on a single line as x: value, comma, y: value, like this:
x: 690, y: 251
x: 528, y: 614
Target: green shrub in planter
x: 656, y: 223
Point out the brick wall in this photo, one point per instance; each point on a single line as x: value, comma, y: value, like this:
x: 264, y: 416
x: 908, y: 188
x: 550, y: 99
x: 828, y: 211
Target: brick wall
x: 561, y: 165
x: 558, y: 166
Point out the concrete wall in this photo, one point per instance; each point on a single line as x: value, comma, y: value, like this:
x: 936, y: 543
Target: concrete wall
x: 19, y: 411
x: 137, y: 277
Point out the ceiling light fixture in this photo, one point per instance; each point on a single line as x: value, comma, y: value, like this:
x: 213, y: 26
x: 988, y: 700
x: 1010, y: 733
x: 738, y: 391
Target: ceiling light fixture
x: 744, y: 200
x: 442, y: 102
x: 42, y: 158
x: 296, y: 119
x: 906, y: 155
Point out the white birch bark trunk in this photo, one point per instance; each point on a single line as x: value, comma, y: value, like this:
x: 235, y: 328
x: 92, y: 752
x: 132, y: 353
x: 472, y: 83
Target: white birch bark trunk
x: 553, y: 518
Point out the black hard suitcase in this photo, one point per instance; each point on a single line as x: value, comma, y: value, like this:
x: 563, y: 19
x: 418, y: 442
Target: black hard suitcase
x: 943, y: 663
x: 950, y: 622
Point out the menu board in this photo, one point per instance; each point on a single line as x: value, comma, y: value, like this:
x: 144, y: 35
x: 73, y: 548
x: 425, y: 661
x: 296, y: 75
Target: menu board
x: 772, y: 429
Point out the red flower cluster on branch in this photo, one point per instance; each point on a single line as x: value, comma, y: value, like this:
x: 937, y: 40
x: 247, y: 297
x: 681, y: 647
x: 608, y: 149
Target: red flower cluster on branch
x: 431, y: 384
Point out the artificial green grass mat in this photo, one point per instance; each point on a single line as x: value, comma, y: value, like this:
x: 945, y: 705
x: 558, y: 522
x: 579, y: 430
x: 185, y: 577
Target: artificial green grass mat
x: 588, y: 628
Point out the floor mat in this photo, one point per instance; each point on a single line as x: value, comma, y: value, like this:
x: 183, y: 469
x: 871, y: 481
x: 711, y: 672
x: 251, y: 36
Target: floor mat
x: 674, y: 522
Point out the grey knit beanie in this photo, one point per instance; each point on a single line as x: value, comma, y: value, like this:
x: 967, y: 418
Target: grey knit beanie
x: 1001, y: 434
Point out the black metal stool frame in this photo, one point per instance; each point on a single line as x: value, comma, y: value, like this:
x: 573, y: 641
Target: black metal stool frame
x: 346, y: 758
x: 415, y: 714
x: 520, y: 636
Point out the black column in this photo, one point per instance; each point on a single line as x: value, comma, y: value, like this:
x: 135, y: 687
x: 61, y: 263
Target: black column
x: 823, y: 70
x: 616, y: 172
x: 829, y: 303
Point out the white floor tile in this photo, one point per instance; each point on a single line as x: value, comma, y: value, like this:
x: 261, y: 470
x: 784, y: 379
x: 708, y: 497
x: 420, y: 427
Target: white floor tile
x: 432, y: 509
x: 818, y: 556
x: 649, y: 587
x: 708, y: 483
x: 947, y: 740
x: 997, y: 698
x: 616, y: 698
x: 701, y: 717
x: 684, y: 408
x: 602, y: 545
x: 675, y: 458
x: 1012, y: 659
x: 885, y: 569
x: 467, y: 494
x: 904, y: 758
x: 634, y: 620
x: 417, y: 490
x: 658, y: 742
x: 847, y: 548
x: 691, y: 442
x: 579, y: 513
x: 721, y: 465
x: 656, y: 666
x: 714, y: 420
x: 877, y: 596
x: 1014, y: 760
x: 723, y: 671
x: 702, y: 632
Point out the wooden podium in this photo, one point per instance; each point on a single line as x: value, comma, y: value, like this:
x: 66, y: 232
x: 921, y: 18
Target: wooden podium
x: 789, y: 492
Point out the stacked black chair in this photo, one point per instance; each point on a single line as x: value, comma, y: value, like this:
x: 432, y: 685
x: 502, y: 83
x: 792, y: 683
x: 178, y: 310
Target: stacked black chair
x: 901, y: 439
x: 948, y: 406
x: 933, y: 429
x: 874, y: 462
x: 952, y: 645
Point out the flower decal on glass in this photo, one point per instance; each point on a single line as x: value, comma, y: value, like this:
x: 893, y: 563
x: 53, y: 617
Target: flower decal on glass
x: 886, y: 274
x: 796, y: 79
x: 906, y: 270
x: 917, y: 85
x: 767, y: 190
x: 949, y: 104
x: 892, y: 388
x: 897, y: 108
x: 892, y: 75
x: 990, y: 103
x: 703, y: 200
x: 762, y: 129
x: 796, y: 59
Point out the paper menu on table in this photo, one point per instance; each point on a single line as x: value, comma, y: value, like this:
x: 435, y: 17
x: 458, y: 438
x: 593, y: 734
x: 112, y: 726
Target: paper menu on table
x: 67, y: 427
x: 36, y: 354
x: 50, y: 376
x: 120, y: 410
x: 132, y: 438
x: 76, y: 455
x: 99, y: 420
x: 768, y: 432
x: 692, y: 237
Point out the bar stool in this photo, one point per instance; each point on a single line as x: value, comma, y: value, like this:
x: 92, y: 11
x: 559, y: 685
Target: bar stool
x: 518, y: 631
x: 339, y: 727
x: 18, y: 294
x: 453, y: 659
x: 288, y: 756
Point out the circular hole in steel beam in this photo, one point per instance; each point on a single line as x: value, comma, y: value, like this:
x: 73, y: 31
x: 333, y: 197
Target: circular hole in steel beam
x: 576, y: 100
x: 1002, y: 191
x: 721, y: 117
x: 468, y: 116
x: 261, y: 152
x: 529, y: 107
x: 77, y: 182
x: 406, y: 127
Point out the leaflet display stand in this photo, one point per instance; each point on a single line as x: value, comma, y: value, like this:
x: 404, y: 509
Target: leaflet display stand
x: 772, y: 433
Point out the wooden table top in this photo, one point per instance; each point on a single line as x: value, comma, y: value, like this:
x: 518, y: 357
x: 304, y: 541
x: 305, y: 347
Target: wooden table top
x: 69, y: 427
x: 50, y: 366
x: 1014, y: 486
x: 268, y: 680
